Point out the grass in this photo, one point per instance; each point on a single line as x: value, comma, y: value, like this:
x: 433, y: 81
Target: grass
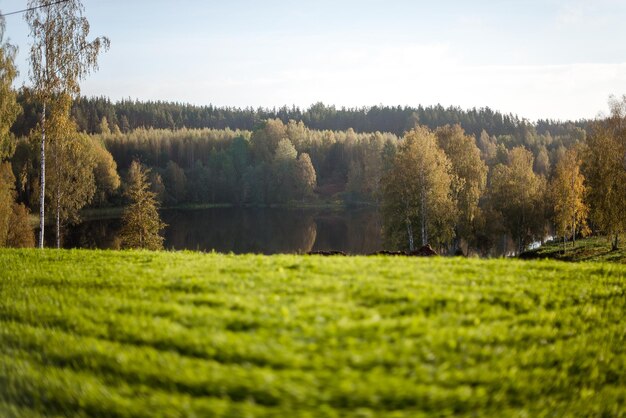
x: 589, y: 249
x: 142, y: 334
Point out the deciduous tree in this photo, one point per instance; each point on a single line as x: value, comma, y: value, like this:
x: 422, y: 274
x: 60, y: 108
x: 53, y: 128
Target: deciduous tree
x: 470, y: 176
x: 107, y: 179
x: 70, y: 178
x: 517, y: 193
x: 60, y: 57
x: 568, y: 192
x: 416, y: 193
x: 9, y: 108
x: 605, y: 168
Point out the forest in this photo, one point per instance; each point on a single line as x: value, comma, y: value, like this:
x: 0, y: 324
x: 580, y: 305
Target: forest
x: 492, y: 177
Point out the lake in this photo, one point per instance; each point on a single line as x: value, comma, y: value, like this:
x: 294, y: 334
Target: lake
x: 249, y: 230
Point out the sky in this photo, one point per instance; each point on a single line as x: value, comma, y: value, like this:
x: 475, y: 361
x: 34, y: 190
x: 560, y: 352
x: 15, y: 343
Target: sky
x: 548, y: 59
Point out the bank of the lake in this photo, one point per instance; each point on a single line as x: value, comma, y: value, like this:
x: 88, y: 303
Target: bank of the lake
x: 596, y: 248
x: 142, y: 334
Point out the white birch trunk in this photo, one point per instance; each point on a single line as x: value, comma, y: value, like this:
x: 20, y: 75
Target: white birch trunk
x: 409, y: 230
x: 42, y: 183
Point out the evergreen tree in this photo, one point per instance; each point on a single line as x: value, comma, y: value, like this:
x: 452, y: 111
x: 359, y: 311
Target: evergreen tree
x: 141, y: 223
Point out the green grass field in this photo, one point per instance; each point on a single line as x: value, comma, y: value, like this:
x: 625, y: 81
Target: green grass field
x: 141, y: 334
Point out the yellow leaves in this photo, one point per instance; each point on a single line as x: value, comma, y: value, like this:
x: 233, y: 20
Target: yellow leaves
x: 568, y: 192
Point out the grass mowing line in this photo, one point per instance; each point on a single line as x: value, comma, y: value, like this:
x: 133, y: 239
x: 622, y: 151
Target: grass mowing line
x: 63, y: 391
x: 146, y: 366
x: 524, y: 335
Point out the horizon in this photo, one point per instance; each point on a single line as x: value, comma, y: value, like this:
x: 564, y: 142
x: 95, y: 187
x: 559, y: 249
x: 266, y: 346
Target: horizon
x: 536, y: 60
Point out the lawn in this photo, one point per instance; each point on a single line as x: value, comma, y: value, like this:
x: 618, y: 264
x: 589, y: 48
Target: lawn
x: 147, y: 334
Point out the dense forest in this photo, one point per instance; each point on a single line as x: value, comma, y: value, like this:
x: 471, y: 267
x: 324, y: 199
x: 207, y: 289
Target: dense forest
x: 457, y: 179
x: 127, y: 115
x: 499, y: 173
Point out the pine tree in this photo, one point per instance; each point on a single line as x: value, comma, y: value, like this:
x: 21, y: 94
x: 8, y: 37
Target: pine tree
x: 141, y: 221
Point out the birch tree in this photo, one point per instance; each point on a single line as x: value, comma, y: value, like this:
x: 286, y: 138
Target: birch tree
x: 9, y: 109
x: 72, y: 161
x: 568, y: 192
x: 517, y: 193
x: 60, y: 57
x: 416, y: 193
x: 605, y: 168
x: 470, y: 176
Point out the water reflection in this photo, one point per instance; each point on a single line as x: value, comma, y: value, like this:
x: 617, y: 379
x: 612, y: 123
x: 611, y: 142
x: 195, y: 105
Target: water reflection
x: 250, y: 230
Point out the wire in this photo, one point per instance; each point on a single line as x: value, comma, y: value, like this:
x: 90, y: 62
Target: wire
x: 33, y: 8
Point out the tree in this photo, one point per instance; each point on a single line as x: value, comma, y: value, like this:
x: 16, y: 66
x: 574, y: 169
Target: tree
x: 60, y: 57
x: 283, y: 167
x: 568, y: 192
x: 7, y: 181
x: 103, y: 128
x: 157, y: 186
x: 416, y: 192
x: 366, y: 167
x: 141, y: 223
x: 470, y: 176
x: 175, y: 183
x: 304, y: 176
x: 72, y: 162
x: 265, y: 140
x: 15, y: 229
x: 9, y: 108
x: 517, y: 193
x: 605, y: 168
x: 105, y: 173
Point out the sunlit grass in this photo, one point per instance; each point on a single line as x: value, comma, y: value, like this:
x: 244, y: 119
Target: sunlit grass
x: 98, y: 333
x: 596, y: 248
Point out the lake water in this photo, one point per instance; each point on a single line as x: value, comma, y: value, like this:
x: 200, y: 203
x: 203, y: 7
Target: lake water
x: 250, y: 230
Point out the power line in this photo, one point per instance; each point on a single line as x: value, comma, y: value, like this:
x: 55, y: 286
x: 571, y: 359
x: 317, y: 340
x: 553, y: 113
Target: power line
x: 33, y: 8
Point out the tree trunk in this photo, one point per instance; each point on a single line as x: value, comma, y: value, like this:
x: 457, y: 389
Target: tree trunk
x: 42, y: 182
x: 424, y: 216
x: 58, y: 217
x: 409, y: 230
x: 574, y: 232
x: 615, y: 247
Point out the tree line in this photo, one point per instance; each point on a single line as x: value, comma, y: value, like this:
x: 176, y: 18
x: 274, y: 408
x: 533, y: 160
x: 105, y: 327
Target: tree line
x: 128, y: 115
x: 477, y: 192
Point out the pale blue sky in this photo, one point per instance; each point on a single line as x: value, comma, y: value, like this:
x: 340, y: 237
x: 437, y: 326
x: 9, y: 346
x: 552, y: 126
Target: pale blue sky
x: 539, y: 59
